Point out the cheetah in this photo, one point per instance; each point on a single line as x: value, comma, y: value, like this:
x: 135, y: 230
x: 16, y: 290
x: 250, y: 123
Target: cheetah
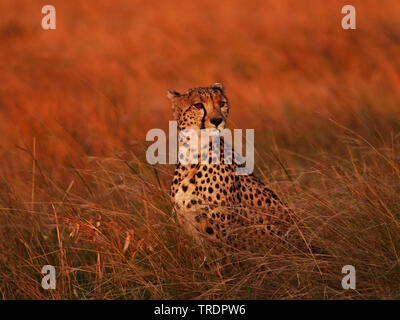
x: 210, y: 199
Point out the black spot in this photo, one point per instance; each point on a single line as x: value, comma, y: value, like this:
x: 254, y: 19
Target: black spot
x: 209, y: 230
x: 184, y: 188
x: 210, y: 190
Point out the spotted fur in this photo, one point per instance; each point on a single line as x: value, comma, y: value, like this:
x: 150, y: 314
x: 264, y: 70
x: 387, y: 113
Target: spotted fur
x: 210, y: 199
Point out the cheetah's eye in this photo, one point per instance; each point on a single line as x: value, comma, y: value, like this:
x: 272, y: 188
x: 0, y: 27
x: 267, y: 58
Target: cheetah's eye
x: 222, y: 104
x: 198, y: 105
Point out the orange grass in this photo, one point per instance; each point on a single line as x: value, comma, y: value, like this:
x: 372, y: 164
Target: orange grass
x: 76, y: 103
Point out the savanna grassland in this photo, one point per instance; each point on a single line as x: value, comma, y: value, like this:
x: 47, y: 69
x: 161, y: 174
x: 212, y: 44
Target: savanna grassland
x: 76, y: 103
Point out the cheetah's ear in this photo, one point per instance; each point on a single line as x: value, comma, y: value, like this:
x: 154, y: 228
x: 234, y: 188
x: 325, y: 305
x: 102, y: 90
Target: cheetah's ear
x: 172, y: 95
x: 218, y: 86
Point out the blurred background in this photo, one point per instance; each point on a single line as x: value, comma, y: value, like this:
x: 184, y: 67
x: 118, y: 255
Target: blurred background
x: 93, y: 87
x: 97, y: 83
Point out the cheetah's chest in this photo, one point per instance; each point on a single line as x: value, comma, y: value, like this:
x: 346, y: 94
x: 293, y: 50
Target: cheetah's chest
x: 204, y: 185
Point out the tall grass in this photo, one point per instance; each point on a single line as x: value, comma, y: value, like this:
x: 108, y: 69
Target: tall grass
x: 76, y: 191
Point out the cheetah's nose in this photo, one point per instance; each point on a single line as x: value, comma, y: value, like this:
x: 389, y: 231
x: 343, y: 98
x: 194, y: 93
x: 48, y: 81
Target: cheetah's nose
x: 216, y: 121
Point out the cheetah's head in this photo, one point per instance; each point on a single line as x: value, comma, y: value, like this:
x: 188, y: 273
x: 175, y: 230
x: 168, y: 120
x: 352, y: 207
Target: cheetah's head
x: 200, y: 108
